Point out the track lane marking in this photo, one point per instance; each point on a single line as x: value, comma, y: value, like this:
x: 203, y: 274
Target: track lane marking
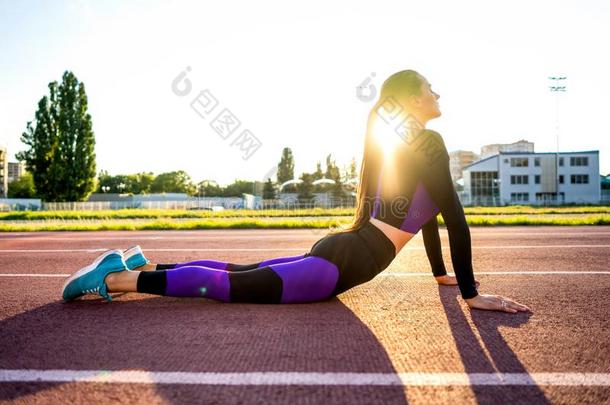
x: 282, y: 236
x: 93, y: 250
x: 278, y: 235
x: 487, y: 273
x: 306, y: 378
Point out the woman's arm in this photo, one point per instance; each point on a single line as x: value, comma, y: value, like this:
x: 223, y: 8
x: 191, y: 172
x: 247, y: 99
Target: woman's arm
x: 433, y: 166
x: 432, y: 243
x: 433, y: 163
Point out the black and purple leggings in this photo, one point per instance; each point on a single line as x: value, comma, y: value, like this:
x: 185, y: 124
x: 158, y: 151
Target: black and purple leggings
x: 335, y: 263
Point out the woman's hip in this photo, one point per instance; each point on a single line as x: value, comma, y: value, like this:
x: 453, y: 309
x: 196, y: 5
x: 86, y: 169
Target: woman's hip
x: 351, y: 255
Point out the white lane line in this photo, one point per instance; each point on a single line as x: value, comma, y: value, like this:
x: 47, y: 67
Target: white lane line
x: 306, y: 378
x: 305, y: 249
x: 44, y: 275
x: 154, y: 250
x: 203, y: 237
x: 425, y: 274
x: 300, y: 235
x: 534, y: 246
x: 492, y: 273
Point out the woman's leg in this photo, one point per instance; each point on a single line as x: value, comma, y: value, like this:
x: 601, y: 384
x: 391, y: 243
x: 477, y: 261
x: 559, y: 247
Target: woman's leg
x: 215, y: 264
x: 306, y: 280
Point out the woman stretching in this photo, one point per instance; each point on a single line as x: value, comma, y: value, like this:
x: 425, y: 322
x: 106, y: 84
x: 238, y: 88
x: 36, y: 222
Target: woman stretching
x: 404, y: 183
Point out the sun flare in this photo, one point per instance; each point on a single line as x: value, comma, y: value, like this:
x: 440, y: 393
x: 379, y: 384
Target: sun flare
x: 387, y: 137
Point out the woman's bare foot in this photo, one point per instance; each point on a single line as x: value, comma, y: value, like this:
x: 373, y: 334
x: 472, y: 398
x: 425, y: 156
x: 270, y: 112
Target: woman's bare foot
x: 496, y: 303
x: 450, y: 280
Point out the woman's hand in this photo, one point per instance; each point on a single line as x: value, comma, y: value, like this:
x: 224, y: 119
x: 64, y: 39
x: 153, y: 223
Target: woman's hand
x: 449, y: 280
x: 496, y: 303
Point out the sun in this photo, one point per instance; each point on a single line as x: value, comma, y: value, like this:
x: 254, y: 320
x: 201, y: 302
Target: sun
x: 386, y: 136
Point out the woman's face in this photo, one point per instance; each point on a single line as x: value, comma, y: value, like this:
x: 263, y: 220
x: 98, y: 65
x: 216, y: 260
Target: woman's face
x: 426, y: 103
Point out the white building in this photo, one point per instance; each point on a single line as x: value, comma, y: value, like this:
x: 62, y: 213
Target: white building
x: 533, y: 178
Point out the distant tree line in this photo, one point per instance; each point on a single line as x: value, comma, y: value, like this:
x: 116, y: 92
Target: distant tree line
x: 60, y: 160
x: 181, y: 182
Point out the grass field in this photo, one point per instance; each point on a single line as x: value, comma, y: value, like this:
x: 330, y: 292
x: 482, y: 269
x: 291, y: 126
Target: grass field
x: 313, y: 212
x: 276, y: 219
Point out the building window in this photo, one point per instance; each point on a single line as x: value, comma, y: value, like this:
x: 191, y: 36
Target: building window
x: 561, y: 179
x: 519, y: 197
x: 579, y: 179
x: 518, y: 162
x: 561, y: 161
x: 537, y: 161
x: 484, y: 187
x: 550, y: 198
x: 537, y: 179
x: 519, y: 179
x: 579, y: 161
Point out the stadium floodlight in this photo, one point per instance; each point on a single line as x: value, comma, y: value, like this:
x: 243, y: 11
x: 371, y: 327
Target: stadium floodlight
x: 557, y: 85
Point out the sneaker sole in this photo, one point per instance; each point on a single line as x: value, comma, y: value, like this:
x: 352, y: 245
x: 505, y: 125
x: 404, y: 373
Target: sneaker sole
x: 89, y: 268
x: 132, y: 251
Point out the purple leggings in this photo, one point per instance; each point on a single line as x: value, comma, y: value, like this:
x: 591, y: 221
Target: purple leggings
x: 293, y: 279
x: 214, y: 264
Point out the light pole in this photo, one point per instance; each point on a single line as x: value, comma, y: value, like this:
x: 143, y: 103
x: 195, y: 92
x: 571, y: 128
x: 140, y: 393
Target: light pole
x: 557, y: 85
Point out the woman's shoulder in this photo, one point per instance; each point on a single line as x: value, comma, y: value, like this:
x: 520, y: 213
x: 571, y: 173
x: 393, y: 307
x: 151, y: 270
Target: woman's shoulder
x: 434, y: 134
x: 429, y: 147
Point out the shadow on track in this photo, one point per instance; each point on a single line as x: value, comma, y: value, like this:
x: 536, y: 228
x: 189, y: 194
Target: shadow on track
x: 141, y: 332
x: 501, y: 357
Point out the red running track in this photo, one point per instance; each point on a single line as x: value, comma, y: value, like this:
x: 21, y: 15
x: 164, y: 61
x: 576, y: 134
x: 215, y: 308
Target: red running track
x: 400, y: 338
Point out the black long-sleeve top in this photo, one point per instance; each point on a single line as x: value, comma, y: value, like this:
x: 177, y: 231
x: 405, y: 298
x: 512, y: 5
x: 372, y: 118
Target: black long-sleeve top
x: 421, y: 178
x: 432, y: 243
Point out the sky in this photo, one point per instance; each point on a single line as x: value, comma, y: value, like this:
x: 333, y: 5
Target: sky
x: 289, y: 73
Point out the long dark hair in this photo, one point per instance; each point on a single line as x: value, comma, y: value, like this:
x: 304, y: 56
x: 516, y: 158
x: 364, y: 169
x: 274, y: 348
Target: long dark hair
x: 395, y: 88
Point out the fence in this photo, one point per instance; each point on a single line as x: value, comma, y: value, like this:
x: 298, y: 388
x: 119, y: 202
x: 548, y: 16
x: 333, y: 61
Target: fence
x: 289, y: 202
x: 20, y: 204
x: 190, y: 204
x: 286, y: 201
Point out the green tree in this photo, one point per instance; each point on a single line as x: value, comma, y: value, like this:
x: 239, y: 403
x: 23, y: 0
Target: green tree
x: 140, y: 183
x: 104, y: 180
x: 23, y: 187
x: 238, y: 188
x: 61, y: 143
x: 333, y: 173
x: 268, y: 190
x: 112, y: 184
x: 305, y: 188
x: 173, y: 182
x: 352, y: 170
x: 332, y: 170
x: 337, y: 189
x: 42, y: 139
x: 317, y: 175
x: 209, y: 188
x: 285, y: 169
